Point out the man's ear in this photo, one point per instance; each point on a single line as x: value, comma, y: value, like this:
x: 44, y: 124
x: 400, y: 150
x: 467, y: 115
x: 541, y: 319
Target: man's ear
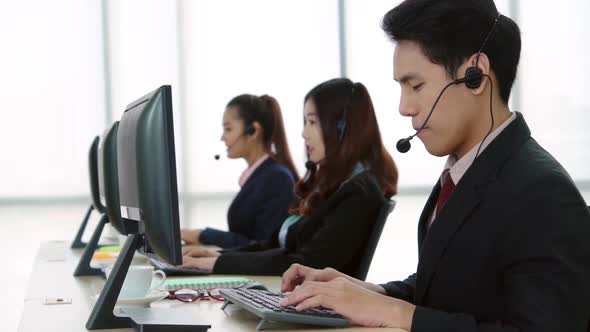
x: 484, y: 66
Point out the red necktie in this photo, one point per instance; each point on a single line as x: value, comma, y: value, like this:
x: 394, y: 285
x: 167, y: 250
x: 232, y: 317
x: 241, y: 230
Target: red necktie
x: 445, y: 193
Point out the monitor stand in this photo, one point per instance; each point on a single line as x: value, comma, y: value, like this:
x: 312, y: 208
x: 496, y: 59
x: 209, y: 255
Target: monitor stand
x: 102, y: 316
x: 142, y: 319
x: 164, y: 320
x: 83, y: 268
x: 78, y: 243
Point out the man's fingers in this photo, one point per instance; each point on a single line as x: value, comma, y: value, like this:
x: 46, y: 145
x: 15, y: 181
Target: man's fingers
x: 320, y: 300
x: 298, y: 294
x: 308, y: 289
x: 292, y: 277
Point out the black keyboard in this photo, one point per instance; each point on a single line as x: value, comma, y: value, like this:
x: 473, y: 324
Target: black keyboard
x: 264, y: 304
x: 173, y: 270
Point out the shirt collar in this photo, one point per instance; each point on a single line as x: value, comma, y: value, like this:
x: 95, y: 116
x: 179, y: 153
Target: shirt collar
x: 457, y: 168
x: 250, y: 170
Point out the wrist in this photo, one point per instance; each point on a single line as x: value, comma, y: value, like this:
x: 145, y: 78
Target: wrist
x: 377, y: 289
x: 402, y: 314
x: 372, y: 287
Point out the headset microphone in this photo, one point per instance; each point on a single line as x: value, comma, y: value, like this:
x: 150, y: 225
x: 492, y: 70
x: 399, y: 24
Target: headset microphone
x: 249, y: 130
x: 404, y: 145
x: 311, y: 169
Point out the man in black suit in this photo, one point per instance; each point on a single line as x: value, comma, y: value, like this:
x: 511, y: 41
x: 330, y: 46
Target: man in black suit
x: 503, y: 236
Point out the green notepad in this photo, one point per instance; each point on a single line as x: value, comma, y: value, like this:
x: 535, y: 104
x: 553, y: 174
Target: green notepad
x: 204, y: 283
x: 109, y: 249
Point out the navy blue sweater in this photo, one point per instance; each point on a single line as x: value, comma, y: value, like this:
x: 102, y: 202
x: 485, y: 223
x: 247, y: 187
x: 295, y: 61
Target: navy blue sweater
x: 258, y: 210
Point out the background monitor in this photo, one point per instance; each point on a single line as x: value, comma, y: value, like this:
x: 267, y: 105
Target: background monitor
x: 77, y: 243
x: 148, y: 192
x: 93, y: 175
x: 83, y: 268
x: 108, y: 180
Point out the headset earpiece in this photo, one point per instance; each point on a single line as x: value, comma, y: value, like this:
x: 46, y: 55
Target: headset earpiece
x: 249, y: 130
x: 341, y: 127
x: 341, y: 124
x: 473, y: 77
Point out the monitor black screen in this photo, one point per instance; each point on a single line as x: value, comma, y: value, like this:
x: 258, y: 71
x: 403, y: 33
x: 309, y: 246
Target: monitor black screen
x: 148, y: 192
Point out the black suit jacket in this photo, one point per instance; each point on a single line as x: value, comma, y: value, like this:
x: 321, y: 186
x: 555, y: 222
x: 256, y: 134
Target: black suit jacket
x: 334, y: 236
x: 509, y: 251
x: 258, y: 210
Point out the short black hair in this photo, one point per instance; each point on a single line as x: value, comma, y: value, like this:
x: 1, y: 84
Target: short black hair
x: 450, y: 31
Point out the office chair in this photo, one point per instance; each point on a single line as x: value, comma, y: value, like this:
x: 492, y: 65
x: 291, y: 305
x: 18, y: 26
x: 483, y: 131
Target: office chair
x: 367, y: 257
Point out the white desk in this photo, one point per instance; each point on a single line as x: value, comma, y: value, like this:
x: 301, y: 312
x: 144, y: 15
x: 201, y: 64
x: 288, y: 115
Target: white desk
x: 52, y: 278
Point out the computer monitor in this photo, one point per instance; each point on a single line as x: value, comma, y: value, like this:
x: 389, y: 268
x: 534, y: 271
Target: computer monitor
x: 148, y: 191
x: 108, y: 181
x: 77, y: 243
x: 93, y: 175
x: 148, y: 195
x: 83, y: 267
x: 108, y: 189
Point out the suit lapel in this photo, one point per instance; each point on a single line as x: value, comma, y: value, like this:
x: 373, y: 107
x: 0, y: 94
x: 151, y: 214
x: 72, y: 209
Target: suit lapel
x: 445, y: 225
x: 425, y: 216
x: 468, y: 194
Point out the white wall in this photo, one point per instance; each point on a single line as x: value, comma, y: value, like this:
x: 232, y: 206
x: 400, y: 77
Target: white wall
x: 51, y: 95
x: 55, y: 93
x: 554, y: 78
x: 231, y: 47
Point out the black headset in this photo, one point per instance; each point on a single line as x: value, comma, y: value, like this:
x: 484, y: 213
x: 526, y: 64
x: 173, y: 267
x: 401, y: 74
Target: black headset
x: 249, y: 129
x: 474, y: 75
x: 340, y: 127
x: 472, y: 79
x: 341, y: 124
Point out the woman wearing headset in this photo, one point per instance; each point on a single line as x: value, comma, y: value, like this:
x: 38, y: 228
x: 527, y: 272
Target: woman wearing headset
x: 253, y: 130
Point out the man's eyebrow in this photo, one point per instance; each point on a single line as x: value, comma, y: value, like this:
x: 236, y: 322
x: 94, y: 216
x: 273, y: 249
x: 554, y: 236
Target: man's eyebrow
x: 406, y: 78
